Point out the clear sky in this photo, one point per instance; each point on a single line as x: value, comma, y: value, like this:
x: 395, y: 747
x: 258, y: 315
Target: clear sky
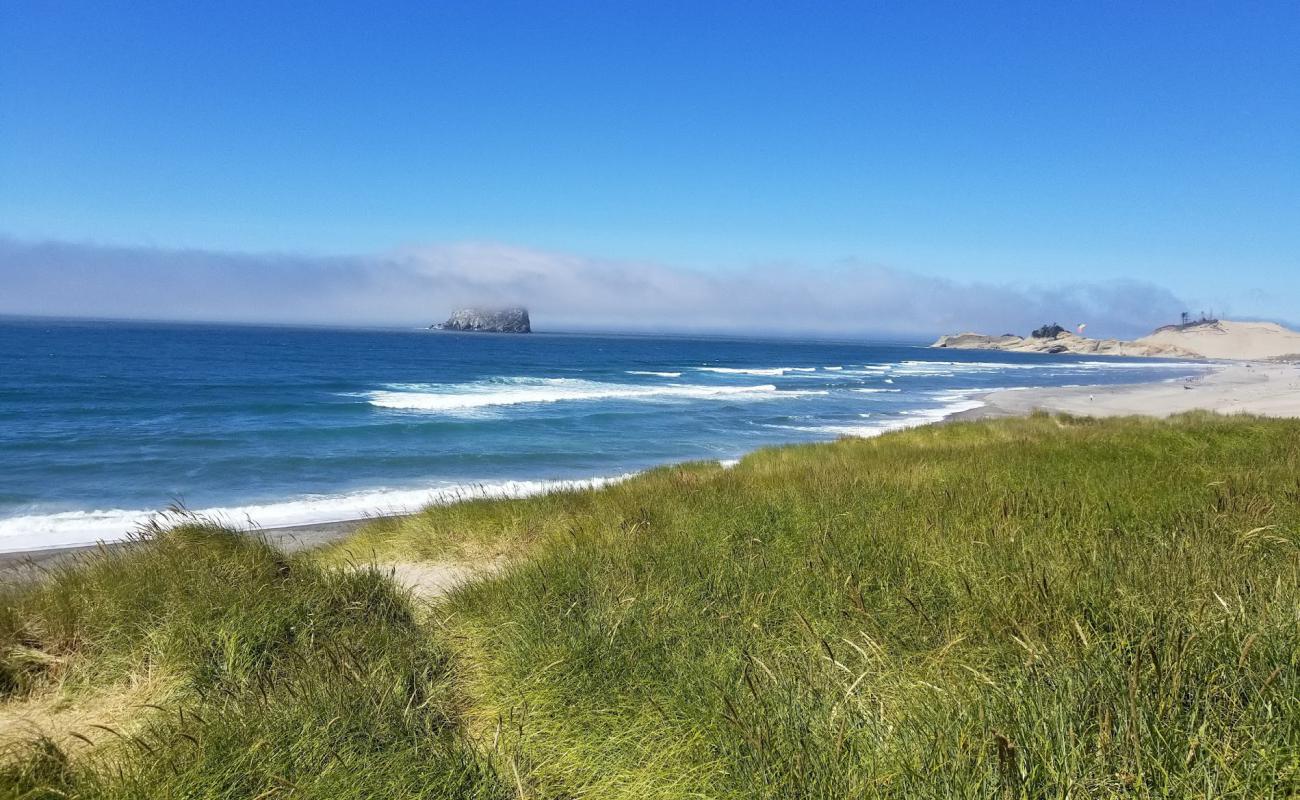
x: 1004, y: 143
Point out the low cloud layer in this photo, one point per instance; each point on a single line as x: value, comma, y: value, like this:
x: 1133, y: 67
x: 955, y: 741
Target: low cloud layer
x: 563, y: 292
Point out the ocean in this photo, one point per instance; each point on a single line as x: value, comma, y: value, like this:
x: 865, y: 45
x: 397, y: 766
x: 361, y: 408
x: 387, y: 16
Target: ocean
x: 104, y: 423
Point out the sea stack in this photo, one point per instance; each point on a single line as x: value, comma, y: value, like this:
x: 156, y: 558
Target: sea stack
x: 487, y: 320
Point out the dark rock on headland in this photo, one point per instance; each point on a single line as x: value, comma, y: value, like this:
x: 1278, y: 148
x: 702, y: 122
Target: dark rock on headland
x: 1047, y: 331
x: 502, y: 320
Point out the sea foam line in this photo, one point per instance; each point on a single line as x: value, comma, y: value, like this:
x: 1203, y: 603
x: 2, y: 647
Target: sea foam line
x: 954, y: 401
x: 771, y: 372
x: 952, y: 368
x: 73, y: 528
x: 518, y: 391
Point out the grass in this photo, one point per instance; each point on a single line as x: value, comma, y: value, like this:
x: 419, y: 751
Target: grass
x: 1045, y: 607
x: 287, y: 678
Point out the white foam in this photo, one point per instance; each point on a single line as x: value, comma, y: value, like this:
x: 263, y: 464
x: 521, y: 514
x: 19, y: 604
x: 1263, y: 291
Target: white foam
x: 950, y: 368
x: 656, y: 374
x: 874, y: 391
x: 771, y: 372
x: 71, y: 528
x: 463, y: 397
x: 832, y: 369
x: 954, y: 402
x: 728, y: 463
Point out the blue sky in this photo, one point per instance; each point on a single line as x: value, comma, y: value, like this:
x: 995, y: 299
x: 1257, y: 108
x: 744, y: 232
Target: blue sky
x: 1008, y: 144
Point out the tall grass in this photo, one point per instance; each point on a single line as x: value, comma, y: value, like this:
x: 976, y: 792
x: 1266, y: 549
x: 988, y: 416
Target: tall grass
x: 290, y: 680
x: 1045, y: 607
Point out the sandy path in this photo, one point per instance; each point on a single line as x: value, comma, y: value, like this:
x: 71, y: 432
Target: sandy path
x: 429, y: 580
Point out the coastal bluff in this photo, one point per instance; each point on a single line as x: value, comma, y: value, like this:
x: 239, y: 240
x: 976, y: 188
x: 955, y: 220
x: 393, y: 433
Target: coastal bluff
x: 1215, y: 339
x: 1063, y: 341
x: 499, y: 320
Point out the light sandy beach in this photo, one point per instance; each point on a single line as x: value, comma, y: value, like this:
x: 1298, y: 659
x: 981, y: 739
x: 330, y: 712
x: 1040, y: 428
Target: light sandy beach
x: 1267, y: 389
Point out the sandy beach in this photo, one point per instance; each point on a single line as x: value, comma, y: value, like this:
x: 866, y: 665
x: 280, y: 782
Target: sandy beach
x: 1263, y: 388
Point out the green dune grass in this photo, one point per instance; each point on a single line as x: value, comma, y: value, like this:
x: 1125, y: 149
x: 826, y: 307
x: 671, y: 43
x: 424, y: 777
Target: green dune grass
x: 284, y: 679
x: 1038, y: 607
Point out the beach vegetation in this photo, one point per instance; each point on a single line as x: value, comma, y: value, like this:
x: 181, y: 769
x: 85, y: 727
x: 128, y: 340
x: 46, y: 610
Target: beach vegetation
x: 1038, y: 607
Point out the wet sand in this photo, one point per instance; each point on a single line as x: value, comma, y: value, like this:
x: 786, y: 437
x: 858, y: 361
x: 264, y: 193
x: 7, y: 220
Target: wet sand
x: 32, y: 563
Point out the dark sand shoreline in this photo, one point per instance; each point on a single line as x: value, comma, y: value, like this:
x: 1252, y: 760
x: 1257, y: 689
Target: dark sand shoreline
x: 21, y: 564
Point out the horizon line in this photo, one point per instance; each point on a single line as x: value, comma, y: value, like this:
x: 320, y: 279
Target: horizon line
x: 776, y: 334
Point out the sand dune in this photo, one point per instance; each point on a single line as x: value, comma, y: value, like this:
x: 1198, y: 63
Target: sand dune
x: 1219, y: 339
x: 1247, y: 341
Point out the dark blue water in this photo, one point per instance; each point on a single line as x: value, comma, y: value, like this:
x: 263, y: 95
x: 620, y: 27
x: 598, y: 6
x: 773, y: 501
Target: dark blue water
x: 101, y: 423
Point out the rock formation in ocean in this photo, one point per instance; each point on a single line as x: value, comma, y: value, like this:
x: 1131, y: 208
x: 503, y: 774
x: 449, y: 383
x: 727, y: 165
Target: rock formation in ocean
x: 499, y: 320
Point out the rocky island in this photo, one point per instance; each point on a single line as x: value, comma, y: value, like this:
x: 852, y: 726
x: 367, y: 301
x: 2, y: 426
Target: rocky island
x: 501, y: 320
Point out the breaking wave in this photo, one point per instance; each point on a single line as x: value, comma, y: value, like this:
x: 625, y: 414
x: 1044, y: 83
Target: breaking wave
x: 72, y: 528
x: 771, y: 372
x: 463, y: 397
x: 953, y: 402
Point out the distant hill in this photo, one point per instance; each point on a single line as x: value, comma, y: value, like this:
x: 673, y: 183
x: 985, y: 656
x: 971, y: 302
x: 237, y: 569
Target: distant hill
x: 1062, y: 342
x: 1247, y: 341
x: 1255, y: 341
